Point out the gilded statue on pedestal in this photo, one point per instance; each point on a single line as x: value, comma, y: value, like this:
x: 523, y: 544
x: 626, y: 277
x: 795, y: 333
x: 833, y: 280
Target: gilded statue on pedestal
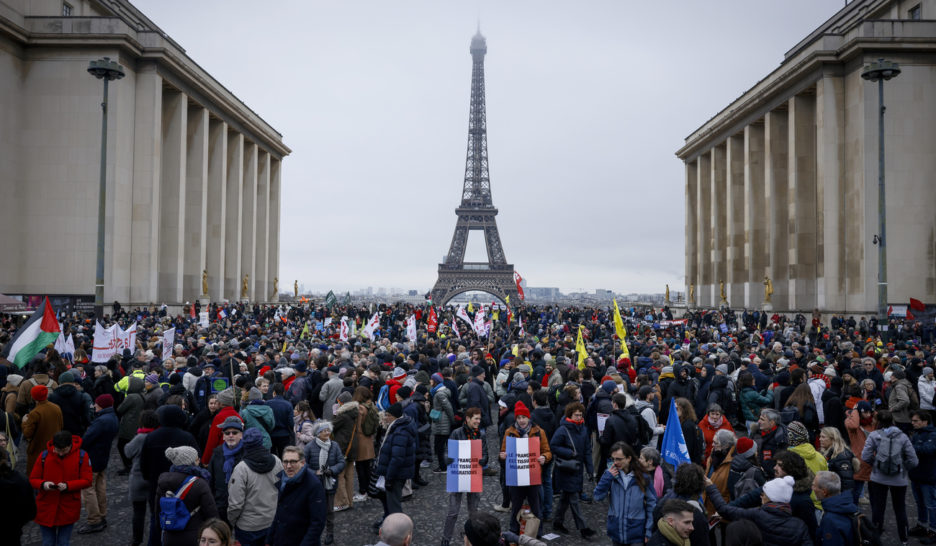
x: 296, y: 288
x: 768, y: 289
x: 721, y: 292
x: 275, y: 285
x: 667, y: 294
x: 244, y: 285
x: 204, y: 281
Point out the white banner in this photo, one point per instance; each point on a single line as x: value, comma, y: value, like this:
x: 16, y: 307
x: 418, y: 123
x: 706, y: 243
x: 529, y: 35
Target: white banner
x: 168, y: 340
x: 343, y: 335
x: 65, y: 346
x: 411, y: 328
x: 480, y: 327
x: 372, y: 324
x: 112, y: 341
x: 462, y: 314
x: 203, y: 319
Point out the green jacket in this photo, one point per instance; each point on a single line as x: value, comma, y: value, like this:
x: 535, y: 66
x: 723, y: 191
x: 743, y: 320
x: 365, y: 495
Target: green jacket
x: 752, y: 402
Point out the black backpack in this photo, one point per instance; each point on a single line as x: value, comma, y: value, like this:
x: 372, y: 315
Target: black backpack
x: 867, y: 533
x: 644, y: 433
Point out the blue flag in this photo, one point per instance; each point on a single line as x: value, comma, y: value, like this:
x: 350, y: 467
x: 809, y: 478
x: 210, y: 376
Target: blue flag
x: 675, y: 451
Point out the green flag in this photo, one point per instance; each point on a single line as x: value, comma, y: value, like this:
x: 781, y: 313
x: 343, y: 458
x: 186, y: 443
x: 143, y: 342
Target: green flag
x: 330, y: 299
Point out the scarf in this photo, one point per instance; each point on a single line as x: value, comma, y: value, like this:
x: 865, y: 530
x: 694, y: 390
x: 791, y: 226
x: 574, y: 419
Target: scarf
x: 575, y: 422
x: 144, y: 430
x: 524, y: 432
x: 716, y: 423
x: 435, y: 389
x: 670, y: 534
x: 287, y: 480
x: 658, y: 481
x: 866, y: 421
x: 766, y: 432
x: 328, y: 482
x: 229, y: 461
x: 191, y: 470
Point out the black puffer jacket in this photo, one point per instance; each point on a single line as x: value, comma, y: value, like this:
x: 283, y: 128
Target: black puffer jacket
x: 75, y: 406
x: 171, y: 433
x: 775, y: 521
x: 843, y: 465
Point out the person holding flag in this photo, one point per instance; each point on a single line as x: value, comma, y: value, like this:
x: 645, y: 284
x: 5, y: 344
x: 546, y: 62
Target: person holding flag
x: 524, y: 428
x: 674, y: 447
x: 471, y: 430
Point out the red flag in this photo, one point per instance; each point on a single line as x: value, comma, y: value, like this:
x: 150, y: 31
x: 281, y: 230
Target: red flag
x: 433, y: 322
x: 518, y: 279
x: 192, y: 310
x: 917, y: 305
x: 910, y: 315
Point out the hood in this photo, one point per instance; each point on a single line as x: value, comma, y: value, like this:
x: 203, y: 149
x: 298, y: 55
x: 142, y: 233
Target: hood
x: 840, y: 504
x: 76, y: 445
x: 740, y: 464
x: 719, y: 382
x: 804, y: 484
x: 807, y: 452
x: 177, y: 389
x: 65, y: 391
x: 135, y: 385
x: 171, y: 416
x: 349, y: 407
x: 259, y: 459
x: 709, y: 373
x: 642, y: 405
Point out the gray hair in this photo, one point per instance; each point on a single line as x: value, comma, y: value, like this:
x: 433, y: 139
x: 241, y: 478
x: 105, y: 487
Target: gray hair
x: 771, y: 414
x: 725, y: 438
x: 829, y: 481
x: 294, y: 449
x: 651, y: 454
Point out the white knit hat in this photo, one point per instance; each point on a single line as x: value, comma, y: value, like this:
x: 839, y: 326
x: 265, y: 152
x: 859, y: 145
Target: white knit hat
x: 779, y: 489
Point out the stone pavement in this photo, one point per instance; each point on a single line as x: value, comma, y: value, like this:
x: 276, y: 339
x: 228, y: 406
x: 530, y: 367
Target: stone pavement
x: 427, y: 507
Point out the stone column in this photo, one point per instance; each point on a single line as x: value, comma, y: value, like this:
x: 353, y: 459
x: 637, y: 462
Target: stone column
x: 215, y: 243
x: 274, y: 229
x: 775, y: 180
x: 719, y: 220
x: 172, y: 196
x: 147, y: 163
x: 803, y: 202
x: 249, y: 219
x: 261, y: 287
x: 196, y: 185
x: 734, y: 205
x: 704, y: 199
x: 830, y: 222
x: 755, y: 215
x: 692, y: 229
x: 233, y: 221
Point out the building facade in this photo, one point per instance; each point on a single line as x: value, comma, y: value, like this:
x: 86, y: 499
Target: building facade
x: 193, y: 175
x: 783, y: 183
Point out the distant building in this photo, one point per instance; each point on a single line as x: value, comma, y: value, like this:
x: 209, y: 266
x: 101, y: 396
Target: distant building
x: 541, y: 293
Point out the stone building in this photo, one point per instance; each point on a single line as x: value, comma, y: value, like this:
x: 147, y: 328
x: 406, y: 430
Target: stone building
x: 783, y: 182
x: 193, y: 174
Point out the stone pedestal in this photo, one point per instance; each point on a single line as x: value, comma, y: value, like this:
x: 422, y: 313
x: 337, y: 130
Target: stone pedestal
x: 245, y: 300
x: 274, y: 298
x: 767, y: 306
x: 204, y: 300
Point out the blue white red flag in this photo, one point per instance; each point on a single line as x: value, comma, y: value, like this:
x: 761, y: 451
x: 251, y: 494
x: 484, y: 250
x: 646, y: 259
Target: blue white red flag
x: 675, y: 450
x: 522, y: 463
x: 464, y: 474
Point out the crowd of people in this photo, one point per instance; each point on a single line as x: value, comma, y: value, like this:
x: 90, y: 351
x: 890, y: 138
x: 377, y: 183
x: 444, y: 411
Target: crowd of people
x: 260, y: 426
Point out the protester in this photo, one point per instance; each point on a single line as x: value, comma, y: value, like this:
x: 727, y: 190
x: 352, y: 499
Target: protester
x: 300, y: 507
x: 688, y: 485
x: 840, y: 459
x: 187, y: 481
x: 223, y: 460
x: 327, y: 462
x: 631, y: 497
x: 139, y: 487
x: 524, y: 427
x: 252, y: 491
x: 40, y: 424
x: 859, y: 424
x: 17, y: 502
x: 891, y: 456
x: 923, y: 476
x: 713, y: 421
x: 674, y: 526
x: 777, y: 525
x: 63, y: 470
x: 97, y: 441
x: 396, y: 530
x: 345, y: 423
x: 836, y: 527
x: 470, y: 430
x: 572, y: 449
x: 215, y: 532
x: 257, y: 414
x: 368, y: 427
x: 771, y: 438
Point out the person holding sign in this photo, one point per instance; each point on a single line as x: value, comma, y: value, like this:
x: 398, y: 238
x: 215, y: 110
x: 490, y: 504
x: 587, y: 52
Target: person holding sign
x: 471, y: 430
x: 631, y: 497
x: 525, y: 449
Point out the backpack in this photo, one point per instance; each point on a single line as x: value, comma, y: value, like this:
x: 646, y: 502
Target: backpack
x: 173, y: 514
x: 746, y: 483
x: 789, y: 414
x: 914, y: 399
x: 886, y: 461
x: 866, y: 532
x: 383, y: 398
x: 644, y: 433
x: 297, y: 390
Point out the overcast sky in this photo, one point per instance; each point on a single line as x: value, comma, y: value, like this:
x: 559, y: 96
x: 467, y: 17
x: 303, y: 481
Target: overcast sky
x: 587, y: 102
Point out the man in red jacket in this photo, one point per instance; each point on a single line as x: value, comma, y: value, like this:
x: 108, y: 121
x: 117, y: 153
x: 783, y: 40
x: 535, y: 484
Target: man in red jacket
x: 60, y: 473
x: 215, y: 434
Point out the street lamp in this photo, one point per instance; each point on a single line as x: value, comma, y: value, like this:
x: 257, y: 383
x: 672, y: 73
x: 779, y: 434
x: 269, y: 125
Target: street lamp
x: 879, y: 71
x: 107, y: 70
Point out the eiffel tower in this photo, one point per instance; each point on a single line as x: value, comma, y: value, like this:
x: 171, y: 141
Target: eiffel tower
x: 476, y: 212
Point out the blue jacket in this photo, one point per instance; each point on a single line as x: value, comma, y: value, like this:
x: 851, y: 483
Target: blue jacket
x: 397, y: 457
x: 99, y: 437
x: 282, y: 417
x: 630, y: 510
x: 335, y: 460
x: 924, y: 444
x: 571, y: 441
x: 835, y: 529
x: 300, y: 511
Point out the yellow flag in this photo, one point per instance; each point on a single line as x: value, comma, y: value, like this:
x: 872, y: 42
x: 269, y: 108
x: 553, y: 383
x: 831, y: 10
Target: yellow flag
x: 621, y: 330
x: 580, y: 349
x: 470, y: 307
x: 305, y: 331
x: 284, y: 348
x: 516, y: 349
x: 507, y: 298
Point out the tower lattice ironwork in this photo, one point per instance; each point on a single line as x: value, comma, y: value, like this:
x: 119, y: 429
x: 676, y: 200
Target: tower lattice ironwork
x: 477, y: 211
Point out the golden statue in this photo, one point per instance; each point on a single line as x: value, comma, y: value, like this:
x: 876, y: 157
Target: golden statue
x: 275, y: 285
x: 691, y: 293
x: 721, y: 292
x: 667, y: 294
x: 768, y: 289
x: 204, y: 281
x: 244, y: 285
x: 296, y: 288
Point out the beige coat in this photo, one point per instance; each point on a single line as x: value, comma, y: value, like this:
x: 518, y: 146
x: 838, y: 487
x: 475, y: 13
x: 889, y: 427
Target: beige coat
x: 40, y: 426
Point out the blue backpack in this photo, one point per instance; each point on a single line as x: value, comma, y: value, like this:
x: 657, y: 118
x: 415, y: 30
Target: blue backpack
x: 173, y: 514
x: 383, y: 398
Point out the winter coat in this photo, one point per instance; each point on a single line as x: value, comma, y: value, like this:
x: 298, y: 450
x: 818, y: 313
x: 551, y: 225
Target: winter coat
x: 367, y: 429
x: 476, y: 397
x: 752, y: 402
x: 17, y: 504
x: 571, y: 441
x: 621, y: 426
x: 254, y: 489
x: 813, y: 459
x: 719, y: 477
x: 708, y: 432
x: 282, y: 418
x: 303, y: 431
x: 857, y: 436
x: 329, y: 396
x: 699, y: 535
x: 345, y: 429
x: 843, y: 464
x: 54, y: 507
x: 769, y: 444
x: 926, y: 388
x: 630, y: 510
x: 24, y: 401
x: 198, y: 496
x: 171, y: 433
x: 740, y: 469
x: 258, y: 415
x: 139, y: 487
x: 219, y: 485
x: 215, y: 434
x: 694, y: 441
x: 99, y: 438
x: 803, y: 503
x: 300, y: 511
x: 924, y: 444
x: 775, y: 520
x: 130, y: 409
x: 901, y: 445
x: 42, y: 424
x: 397, y: 456
x: 441, y: 402
x: 335, y: 462
x: 534, y: 432
x: 898, y: 400
x: 836, y: 528
x: 461, y: 433
x: 75, y: 406
x: 601, y: 403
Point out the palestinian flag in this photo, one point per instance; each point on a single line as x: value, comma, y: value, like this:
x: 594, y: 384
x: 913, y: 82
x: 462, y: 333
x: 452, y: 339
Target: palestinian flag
x: 38, y: 332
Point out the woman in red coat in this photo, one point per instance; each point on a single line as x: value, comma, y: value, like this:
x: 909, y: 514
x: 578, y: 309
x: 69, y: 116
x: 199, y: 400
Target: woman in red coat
x: 60, y: 473
x: 713, y: 421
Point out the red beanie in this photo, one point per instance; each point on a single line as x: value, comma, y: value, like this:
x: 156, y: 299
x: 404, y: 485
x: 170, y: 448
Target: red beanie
x: 39, y: 393
x: 745, y: 447
x: 521, y: 409
x: 104, y: 401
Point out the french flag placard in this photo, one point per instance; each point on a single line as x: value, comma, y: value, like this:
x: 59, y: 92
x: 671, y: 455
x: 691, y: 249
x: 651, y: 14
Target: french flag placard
x: 523, y: 466
x: 464, y: 474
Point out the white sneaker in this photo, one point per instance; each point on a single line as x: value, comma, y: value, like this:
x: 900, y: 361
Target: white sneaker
x: 425, y: 464
x: 340, y: 508
x: 359, y: 498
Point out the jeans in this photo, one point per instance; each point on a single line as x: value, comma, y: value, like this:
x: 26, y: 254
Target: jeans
x: 924, y: 494
x: 546, y: 490
x: 529, y: 493
x: 898, y: 494
x: 56, y: 536
x: 454, y: 506
x: 251, y: 538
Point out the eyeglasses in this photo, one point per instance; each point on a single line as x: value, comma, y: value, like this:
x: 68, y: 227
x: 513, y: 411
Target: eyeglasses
x: 232, y: 432
x: 290, y: 461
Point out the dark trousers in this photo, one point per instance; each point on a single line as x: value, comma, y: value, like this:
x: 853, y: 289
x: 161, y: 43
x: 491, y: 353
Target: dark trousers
x: 878, y: 495
x: 155, y: 532
x: 530, y: 494
x: 280, y: 443
x: 567, y: 499
x: 121, y: 444
x: 139, y: 519
x: 440, y: 442
x: 363, y: 475
x: 393, y: 497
